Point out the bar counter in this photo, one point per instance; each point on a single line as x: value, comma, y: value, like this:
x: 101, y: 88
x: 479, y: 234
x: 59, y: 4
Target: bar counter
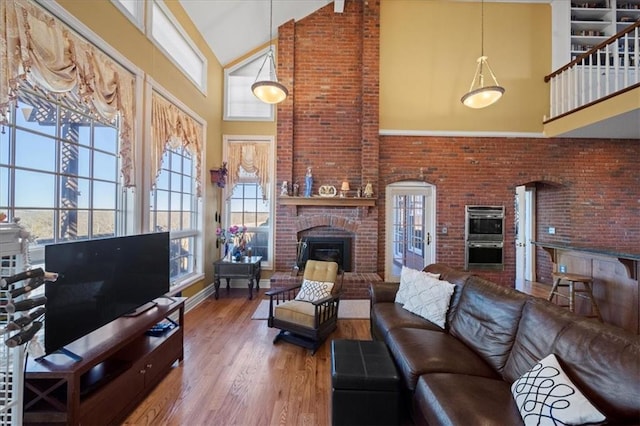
x: 615, y: 278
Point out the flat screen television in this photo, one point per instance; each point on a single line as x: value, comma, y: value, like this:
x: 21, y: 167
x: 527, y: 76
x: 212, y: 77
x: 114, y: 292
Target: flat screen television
x: 100, y: 280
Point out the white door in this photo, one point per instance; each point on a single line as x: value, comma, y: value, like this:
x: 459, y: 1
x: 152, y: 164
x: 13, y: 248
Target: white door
x: 410, y: 227
x: 524, y: 223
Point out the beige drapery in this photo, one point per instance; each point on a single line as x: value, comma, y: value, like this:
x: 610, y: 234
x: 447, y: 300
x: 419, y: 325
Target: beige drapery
x: 173, y: 127
x: 253, y: 158
x: 37, y: 47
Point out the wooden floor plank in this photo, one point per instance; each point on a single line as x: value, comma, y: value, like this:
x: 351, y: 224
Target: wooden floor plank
x: 233, y: 374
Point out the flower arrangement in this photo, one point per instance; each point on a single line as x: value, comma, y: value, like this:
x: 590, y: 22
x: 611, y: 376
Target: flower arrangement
x: 235, y: 233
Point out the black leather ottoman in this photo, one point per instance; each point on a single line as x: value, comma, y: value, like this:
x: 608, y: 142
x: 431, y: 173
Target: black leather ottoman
x: 365, y: 384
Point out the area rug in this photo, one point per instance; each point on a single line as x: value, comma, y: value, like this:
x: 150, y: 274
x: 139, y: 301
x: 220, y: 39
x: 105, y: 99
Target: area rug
x: 348, y: 309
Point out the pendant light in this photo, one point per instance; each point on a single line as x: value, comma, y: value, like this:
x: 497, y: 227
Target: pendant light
x: 479, y: 95
x: 270, y: 90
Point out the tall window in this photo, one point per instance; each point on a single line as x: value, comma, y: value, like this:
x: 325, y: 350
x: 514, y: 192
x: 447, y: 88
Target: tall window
x: 174, y: 209
x: 239, y: 101
x: 173, y: 40
x: 175, y: 151
x: 249, y: 208
x: 249, y: 201
x: 59, y: 169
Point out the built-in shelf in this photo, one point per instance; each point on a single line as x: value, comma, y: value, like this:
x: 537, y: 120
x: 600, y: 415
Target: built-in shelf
x: 328, y: 201
x: 594, y: 21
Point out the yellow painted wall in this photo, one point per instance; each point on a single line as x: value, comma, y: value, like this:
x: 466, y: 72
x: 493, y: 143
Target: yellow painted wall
x: 103, y: 18
x: 428, y: 52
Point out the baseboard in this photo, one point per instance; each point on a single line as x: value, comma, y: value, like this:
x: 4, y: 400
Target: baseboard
x: 198, y: 298
x: 203, y: 294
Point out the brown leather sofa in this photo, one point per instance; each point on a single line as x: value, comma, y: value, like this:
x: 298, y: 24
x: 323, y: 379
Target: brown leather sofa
x: 462, y: 375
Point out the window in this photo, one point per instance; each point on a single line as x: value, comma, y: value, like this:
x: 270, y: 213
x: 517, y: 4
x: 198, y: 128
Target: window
x: 248, y: 208
x: 249, y: 201
x: 239, y: 101
x: 133, y: 10
x: 172, y: 39
x: 174, y: 208
x: 59, y: 169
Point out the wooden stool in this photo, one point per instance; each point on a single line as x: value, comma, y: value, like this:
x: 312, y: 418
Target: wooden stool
x: 571, y: 280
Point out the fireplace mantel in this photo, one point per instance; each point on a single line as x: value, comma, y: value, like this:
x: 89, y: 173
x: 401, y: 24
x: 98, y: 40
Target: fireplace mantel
x: 328, y: 201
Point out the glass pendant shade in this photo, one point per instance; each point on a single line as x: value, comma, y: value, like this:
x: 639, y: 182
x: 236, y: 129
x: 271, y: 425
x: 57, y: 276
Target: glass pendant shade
x: 479, y: 95
x: 270, y: 90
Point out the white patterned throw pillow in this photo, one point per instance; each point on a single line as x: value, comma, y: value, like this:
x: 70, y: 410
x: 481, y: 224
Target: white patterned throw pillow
x: 546, y: 396
x: 430, y: 299
x: 409, y: 280
x: 312, y: 291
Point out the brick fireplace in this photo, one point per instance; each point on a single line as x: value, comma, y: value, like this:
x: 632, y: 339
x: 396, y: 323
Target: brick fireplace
x: 334, y: 134
x: 359, y: 224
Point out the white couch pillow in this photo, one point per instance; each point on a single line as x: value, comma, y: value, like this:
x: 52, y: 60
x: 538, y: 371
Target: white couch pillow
x: 431, y: 299
x: 546, y: 396
x: 409, y: 278
x: 312, y: 291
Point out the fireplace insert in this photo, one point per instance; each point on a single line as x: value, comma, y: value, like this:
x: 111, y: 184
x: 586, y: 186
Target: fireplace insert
x: 336, y: 249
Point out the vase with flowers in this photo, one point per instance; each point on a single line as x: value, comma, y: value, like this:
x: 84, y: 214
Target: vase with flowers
x: 233, y: 241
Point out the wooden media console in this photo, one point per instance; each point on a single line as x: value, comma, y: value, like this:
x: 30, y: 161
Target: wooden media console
x: 120, y: 363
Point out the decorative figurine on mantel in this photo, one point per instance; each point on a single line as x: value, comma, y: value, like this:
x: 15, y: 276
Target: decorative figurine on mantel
x: 284, y: 189
x: 308, y: 183
x: 368, y: 190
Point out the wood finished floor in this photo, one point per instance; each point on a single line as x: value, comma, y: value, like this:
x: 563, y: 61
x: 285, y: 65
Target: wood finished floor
x: 232, y: 373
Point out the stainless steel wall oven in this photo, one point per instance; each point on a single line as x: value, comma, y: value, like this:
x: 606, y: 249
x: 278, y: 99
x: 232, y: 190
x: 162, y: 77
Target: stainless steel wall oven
x: 484, y: 237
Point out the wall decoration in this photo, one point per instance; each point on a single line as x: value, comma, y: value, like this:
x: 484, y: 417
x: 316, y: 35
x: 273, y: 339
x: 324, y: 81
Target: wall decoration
x: 327, y: 191
x: 219, y: 176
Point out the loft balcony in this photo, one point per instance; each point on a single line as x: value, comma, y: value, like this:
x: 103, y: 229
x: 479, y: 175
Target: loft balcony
x: 597, y: 95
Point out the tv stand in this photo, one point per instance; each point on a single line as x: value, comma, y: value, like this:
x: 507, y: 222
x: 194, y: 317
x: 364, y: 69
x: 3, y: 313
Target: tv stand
x: 140, y: 309
x: 64, y: 351
x: 119, y: 365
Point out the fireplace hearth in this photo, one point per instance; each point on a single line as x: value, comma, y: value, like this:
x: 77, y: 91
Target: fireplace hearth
x: 337, y: 249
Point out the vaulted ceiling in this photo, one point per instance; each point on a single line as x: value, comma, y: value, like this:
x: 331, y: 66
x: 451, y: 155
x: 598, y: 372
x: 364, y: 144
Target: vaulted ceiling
x: 234, y: 27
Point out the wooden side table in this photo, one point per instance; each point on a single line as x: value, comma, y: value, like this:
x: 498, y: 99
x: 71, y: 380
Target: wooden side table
x: 248, y: 267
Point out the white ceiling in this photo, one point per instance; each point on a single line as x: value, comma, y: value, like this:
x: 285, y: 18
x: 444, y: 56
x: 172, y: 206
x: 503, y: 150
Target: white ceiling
x: 235, y: 27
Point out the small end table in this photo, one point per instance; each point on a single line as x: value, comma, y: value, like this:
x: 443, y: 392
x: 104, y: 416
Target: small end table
x: 248, y: 267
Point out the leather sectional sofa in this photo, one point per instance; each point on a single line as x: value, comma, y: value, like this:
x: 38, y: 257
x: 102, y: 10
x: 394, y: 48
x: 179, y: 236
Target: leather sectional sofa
x: 462, y: 375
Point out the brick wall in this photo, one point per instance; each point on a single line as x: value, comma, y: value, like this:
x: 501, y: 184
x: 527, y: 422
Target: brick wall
x: 587, y: 189
x: 329, y: 62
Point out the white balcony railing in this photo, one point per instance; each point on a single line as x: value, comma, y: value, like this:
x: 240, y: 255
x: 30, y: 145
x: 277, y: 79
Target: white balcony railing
x: 609, y: 68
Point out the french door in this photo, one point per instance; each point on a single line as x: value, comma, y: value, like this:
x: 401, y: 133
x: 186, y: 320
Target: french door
x: 410, y: 229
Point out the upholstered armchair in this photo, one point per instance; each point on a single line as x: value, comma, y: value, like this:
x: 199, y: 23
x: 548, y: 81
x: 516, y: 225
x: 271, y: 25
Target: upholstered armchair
x: 307, y: 313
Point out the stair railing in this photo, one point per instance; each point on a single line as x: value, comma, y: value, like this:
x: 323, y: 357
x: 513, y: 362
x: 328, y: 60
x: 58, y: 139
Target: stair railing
x: 608, y: 69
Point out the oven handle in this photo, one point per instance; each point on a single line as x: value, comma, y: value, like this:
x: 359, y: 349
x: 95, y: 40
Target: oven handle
x: 485, y: 245
x: 486, y: 216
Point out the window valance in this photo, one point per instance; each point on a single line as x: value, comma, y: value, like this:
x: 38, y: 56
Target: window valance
x: 253, y: 158
x: 37, y: 47
x: 170, y: 126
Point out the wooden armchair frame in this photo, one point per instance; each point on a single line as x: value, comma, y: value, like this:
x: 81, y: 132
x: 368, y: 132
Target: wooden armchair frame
x: 325, y: 316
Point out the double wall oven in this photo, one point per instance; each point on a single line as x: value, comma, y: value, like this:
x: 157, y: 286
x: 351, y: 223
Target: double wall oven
x: 484, y: 237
